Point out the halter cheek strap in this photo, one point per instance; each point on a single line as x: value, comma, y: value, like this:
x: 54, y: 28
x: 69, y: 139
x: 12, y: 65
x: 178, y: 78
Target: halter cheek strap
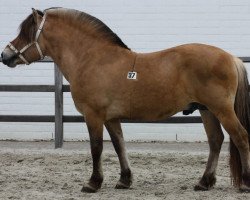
x: 40, y: 28
x: 19, y: 53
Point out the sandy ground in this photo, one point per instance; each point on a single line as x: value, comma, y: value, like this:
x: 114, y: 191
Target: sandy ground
x: 35, y: 170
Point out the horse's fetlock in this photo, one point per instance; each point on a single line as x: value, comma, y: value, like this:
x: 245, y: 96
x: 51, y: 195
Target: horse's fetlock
x: 126, y: 173
x: 207, y: 181
x: 96, y: 178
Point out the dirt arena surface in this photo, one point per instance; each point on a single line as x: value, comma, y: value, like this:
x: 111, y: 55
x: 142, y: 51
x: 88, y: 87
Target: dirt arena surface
x: 35, y: 170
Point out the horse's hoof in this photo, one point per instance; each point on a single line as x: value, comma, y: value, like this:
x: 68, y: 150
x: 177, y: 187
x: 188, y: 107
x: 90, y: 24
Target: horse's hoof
x: 200, y: 187
x: 206, y: 183
x: 121, y: 185
x: 244, y: 188
x: 89, y: 189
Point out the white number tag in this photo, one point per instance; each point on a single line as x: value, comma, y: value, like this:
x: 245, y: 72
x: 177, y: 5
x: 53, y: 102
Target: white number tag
x: 132, y: 75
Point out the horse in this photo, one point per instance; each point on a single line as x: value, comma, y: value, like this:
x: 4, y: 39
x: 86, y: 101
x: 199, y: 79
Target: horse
x: 110, y: 82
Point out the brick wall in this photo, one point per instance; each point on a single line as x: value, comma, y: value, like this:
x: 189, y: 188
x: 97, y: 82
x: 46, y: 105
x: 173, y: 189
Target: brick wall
x: 145, y: 26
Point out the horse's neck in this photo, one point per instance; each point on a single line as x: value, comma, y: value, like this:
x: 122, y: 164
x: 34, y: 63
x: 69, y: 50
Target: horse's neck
x: 71, y: 49
x: 73, y: 52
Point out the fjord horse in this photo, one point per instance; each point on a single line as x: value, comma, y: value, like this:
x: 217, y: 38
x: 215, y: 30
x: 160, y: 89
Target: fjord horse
x: 109, y: 82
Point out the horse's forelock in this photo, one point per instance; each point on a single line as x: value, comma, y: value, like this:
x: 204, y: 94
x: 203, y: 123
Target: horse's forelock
x: 28, y: 28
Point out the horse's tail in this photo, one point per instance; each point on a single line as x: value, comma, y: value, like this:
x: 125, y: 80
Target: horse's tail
x: 242, y: 110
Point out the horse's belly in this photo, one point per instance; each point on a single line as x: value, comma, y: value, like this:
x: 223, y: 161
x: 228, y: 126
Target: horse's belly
x: 157, y: 102
x: 153, y: 108
x: 151, y: 115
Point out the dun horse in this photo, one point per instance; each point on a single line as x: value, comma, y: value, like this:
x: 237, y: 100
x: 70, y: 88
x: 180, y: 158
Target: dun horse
x: 109, y: 82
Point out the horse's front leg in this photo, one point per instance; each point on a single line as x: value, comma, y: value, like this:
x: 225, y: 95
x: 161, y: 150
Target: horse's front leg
x: 115, y: 131
x: 95, y: 128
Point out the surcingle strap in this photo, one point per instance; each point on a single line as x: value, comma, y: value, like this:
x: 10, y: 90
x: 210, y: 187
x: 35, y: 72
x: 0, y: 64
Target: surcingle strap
x: 192, y: 107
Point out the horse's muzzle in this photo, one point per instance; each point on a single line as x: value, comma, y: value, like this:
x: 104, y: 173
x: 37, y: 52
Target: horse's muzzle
x: 8, y: 60
x: 4, y: 59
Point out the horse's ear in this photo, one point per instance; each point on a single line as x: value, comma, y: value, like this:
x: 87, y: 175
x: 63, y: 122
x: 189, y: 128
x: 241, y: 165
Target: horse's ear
x: 35, y: 15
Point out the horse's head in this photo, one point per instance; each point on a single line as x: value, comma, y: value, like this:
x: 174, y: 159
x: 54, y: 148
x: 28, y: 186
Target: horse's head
x: 28, y: 46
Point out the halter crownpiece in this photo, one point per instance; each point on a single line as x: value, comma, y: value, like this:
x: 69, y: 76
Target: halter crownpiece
x: 19, y: 53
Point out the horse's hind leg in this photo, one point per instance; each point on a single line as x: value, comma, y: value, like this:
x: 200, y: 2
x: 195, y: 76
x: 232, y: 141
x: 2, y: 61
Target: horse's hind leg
x: 115, y: 131
x: 215, y: 138
x: 239, y: 136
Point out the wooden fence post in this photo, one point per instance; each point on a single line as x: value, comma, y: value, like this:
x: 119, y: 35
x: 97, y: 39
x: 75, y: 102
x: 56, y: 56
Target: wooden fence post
x: 58, y: 108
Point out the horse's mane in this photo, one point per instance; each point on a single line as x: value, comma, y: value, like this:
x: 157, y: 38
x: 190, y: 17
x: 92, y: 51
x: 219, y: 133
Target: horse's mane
x: 84, y: 20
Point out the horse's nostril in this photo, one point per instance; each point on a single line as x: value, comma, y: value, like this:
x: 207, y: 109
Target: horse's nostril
x: 4, y: 60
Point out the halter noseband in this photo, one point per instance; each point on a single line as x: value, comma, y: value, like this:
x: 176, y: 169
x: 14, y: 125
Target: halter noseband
x: 19, y: 53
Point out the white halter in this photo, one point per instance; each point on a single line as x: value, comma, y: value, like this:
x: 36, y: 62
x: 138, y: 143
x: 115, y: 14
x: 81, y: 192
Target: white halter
x: 19, y: 53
